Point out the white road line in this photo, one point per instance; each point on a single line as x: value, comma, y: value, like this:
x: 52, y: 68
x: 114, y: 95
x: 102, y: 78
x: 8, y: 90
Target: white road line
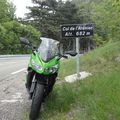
x: 18, y: 71
x: 8, y: 63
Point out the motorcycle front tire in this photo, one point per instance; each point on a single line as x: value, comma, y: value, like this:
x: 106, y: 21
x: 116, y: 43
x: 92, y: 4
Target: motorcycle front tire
x: 36, y: 101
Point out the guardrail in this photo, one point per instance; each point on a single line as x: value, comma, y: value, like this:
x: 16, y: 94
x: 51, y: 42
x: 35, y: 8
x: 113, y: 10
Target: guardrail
x: 7, y: 56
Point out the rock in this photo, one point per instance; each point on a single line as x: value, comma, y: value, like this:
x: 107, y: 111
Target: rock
x: 73, y: 78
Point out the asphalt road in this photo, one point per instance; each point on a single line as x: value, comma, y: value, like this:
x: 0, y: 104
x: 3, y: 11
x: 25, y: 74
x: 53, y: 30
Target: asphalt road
x: 8, y: 66
x: 14, y: 103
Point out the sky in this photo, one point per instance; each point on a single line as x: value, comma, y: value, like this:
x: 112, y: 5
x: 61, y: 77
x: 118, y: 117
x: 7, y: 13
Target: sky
x: 21, y: 7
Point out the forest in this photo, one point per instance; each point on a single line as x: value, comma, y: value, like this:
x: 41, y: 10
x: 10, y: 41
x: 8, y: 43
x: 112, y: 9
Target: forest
x: 45, y: 18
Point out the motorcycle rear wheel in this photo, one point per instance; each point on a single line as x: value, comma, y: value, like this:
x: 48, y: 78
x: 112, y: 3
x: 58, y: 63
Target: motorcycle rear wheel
x: 36, y: 101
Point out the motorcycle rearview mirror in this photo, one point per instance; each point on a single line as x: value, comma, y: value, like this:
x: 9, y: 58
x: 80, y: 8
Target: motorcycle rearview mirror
x: 59, y: 56
x: 25, y: 41
x: 71, y: 53
x: 65, y: 56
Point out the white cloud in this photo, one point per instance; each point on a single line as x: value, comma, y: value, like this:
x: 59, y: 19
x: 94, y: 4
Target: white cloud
x: 21, y: 7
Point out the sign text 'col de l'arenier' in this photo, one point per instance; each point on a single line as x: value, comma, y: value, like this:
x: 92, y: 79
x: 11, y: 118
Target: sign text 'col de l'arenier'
x: 77, y: 30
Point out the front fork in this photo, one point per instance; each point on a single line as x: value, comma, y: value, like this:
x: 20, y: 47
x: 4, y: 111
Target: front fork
x: 39, y: 79
x: 33, y: 85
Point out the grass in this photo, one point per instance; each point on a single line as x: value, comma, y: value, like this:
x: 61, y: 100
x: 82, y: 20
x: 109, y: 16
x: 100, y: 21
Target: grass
x: 95, y: 98
x: 99, y: 60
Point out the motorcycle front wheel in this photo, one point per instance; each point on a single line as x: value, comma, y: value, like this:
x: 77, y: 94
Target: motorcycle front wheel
x: 36, y: 101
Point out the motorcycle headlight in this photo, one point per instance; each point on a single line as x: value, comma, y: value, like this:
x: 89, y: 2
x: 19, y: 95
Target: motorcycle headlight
x: 36, y: 66
x: 52, y: 69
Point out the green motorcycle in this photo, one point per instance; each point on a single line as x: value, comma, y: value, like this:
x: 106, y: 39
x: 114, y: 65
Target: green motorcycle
x: 42, y: 71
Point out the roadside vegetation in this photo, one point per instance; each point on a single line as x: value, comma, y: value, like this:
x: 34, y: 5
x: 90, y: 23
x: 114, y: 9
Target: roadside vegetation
x: 94, y: 98
x: 11, y: 28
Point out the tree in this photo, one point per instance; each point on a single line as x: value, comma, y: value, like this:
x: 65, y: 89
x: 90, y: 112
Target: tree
x: 10, y: 32
x: 105, y: 15
x: 42, y: 15
x: 11, y: 11
x: 7, y: 11
x: 48, y: 15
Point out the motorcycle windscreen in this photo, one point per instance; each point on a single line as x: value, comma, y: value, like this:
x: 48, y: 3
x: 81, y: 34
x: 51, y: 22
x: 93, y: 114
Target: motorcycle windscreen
x: 48, y: 49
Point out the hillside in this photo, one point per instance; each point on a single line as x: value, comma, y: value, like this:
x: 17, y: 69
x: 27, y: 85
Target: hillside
x: 95, y: 98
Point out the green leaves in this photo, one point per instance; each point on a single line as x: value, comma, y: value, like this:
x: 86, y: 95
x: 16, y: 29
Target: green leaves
x: 11, y: 30
x: 7, y: 11
x: 47, y: 16
x: 9, y: 37
x: 105, y: 15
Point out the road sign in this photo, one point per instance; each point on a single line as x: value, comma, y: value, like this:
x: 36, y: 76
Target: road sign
x: 77, y: 30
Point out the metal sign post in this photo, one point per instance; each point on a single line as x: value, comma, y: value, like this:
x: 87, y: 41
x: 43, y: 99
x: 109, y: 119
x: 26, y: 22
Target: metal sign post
x: 78, y: 58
